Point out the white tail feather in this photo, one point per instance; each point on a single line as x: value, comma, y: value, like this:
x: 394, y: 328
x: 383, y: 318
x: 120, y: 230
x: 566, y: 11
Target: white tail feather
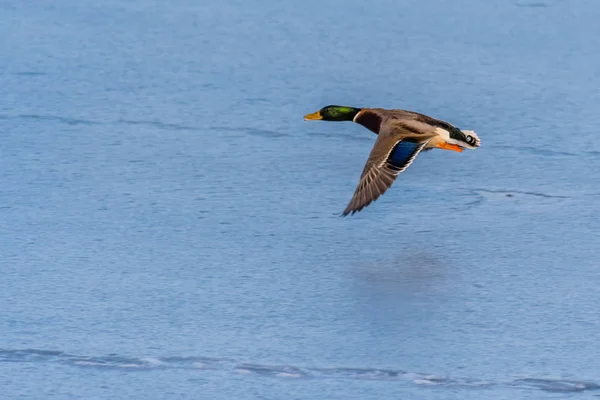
x: 476, y: 142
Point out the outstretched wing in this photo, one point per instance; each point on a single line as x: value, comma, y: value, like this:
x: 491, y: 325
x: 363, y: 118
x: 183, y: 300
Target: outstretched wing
x: 390, y: 156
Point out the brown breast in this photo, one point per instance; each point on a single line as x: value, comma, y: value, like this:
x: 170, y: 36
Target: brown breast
x: 369, y: 119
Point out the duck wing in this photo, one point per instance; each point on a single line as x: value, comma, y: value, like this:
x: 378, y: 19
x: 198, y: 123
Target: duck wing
x: 392, y: 153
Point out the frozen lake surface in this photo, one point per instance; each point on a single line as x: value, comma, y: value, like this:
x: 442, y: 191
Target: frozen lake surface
x: 170, y: 225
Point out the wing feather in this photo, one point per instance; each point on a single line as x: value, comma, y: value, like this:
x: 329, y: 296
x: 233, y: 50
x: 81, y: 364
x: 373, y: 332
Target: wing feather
x: 390, y: 156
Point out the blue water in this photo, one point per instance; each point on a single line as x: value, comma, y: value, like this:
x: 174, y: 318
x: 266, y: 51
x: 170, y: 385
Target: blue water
x: 170, y: 225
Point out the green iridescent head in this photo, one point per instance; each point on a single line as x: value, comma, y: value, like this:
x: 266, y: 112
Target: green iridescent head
x: 334, y: 113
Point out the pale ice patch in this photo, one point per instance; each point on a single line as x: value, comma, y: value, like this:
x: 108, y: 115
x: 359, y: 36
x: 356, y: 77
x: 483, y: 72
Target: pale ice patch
x: 151, y: 361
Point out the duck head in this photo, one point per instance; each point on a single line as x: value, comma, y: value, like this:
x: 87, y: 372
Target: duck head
x: 334, y: 113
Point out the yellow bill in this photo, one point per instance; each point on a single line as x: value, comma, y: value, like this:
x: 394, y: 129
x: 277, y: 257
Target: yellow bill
x: 313, y: 116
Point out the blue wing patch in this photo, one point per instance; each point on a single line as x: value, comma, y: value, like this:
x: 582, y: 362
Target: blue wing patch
x: 403, y: 154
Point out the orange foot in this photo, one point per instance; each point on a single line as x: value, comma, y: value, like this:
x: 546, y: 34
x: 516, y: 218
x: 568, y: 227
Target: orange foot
x: 448, y: 146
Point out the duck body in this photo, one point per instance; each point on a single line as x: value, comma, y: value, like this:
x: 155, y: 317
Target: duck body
x: 420, y: 125
x: 402, y: 135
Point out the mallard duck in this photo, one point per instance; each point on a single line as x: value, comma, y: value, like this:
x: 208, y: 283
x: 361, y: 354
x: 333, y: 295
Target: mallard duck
x: 402, y: 135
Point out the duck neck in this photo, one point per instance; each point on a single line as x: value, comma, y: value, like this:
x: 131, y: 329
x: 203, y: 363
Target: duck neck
x: 369, y: 119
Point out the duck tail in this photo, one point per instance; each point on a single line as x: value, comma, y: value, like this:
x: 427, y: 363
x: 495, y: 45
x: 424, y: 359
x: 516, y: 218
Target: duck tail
x: 458, y: 137
x: 472, y: 139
